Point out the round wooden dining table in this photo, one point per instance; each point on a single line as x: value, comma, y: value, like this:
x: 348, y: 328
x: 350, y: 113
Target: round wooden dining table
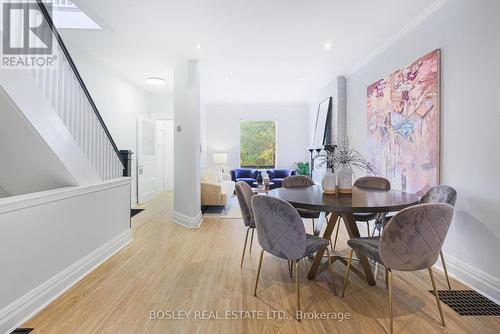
x: 362, y: 200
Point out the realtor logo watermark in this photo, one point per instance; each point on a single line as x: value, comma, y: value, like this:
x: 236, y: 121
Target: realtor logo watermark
x: 27, y: 37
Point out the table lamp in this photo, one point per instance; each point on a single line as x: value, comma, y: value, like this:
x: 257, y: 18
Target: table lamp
x: 220, y: 159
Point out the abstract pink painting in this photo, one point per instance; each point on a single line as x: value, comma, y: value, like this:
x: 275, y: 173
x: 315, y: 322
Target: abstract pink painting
x: 403, y: 125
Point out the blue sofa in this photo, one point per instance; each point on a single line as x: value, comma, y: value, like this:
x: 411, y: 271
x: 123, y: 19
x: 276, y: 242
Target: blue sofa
x: 246, y: 175
x: 249, y: 176
x: 277, y: 175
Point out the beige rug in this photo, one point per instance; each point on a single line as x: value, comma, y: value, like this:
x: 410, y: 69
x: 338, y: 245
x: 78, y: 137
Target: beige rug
x: 232, y: 211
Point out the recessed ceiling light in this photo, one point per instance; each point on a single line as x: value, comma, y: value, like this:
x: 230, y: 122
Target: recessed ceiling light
x: 155, y: 81
x: 301, y: 79
x: 328, y: 46
x: 198, y: 46
x: 226, y: 78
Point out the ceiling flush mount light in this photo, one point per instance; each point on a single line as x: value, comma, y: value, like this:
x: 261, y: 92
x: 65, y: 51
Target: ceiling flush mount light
x: 226, y: 78
x: 155, y: 81
x: 328, y: 46
x: 301, y: 79
x: 198, y: 46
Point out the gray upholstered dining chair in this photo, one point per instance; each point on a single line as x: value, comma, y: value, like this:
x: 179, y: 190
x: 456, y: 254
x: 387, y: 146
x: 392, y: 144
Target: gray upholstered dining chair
x: 296, y: 181
x: 368, y: 182
x: 281, y: 232
x: 411, y: 241
x: 244, y: 194
x: 437, y: 194
x: 441, y: 194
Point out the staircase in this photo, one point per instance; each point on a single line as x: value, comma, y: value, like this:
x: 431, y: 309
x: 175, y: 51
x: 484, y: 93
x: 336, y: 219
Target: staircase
x: 63, y: 86
x: 64, y: 205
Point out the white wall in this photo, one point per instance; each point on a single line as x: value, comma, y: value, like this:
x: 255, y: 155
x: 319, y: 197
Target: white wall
x: 161, y: 103
x: 203, y: 135
x: 467, y: 32
x: 119, y: 102
x: 3, y: 193
x: 223, y: 130
x: 50, y: 240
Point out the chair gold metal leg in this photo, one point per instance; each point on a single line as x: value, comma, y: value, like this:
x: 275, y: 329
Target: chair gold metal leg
x: 386, y: 277
x: 445, y: 270
x: 336, y: 234
x: 346, y: 278
x: 436, y: 294
x: 290, y: 268
x: 251, y: 242
x: 244, y: 248
x: 305, y: 265
x: 391, y: 316
x: 298, y: 288
x: 330, y: 267
x: 258, y: 273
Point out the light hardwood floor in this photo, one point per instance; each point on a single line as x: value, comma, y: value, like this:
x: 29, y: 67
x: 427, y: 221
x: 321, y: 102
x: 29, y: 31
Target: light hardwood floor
x: 168, y: 267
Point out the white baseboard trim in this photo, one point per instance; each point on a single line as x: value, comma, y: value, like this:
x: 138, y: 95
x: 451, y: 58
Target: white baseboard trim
x: 187, y: 221
x: 480, y: 281
x: 22, y: 309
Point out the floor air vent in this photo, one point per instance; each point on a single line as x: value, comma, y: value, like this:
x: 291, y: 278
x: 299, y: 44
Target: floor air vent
x: 468, y: 303
x: 22, y: 330
x: 133, y: 212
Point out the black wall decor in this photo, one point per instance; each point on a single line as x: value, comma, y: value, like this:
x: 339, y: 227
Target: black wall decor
x: 323, y: 132
x: 323, y: 129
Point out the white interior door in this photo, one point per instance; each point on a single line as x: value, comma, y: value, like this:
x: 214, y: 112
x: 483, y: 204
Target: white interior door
x: 160, y: 156
x: 164, y: 155
x: 168, y: 166
x: 146, y: 160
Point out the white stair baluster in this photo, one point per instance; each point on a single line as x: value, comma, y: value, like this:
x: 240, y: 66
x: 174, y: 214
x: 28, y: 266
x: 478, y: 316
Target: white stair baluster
x: 62, y: 89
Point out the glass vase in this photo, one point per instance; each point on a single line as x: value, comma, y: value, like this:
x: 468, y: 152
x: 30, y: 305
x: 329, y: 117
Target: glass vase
x: 345, y: 179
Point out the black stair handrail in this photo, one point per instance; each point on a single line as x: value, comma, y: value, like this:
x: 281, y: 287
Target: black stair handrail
x: 65, y: 51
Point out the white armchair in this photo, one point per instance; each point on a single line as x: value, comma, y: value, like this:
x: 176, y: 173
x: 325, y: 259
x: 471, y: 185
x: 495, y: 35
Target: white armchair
x: 215, y: 189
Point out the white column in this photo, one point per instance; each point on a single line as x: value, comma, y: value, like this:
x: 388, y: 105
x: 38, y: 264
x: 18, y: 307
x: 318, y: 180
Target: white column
x: 341, y: 93
x: 187, y: 211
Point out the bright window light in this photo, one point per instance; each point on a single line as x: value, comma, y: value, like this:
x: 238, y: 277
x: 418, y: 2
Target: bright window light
x: 66, y: 15
x: 258, y: 144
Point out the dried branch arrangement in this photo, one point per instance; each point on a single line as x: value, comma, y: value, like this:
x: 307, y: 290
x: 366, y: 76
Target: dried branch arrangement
x: 344, y: 154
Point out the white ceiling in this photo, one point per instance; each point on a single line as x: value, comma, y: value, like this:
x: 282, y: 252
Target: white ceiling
x: 263, y: 47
